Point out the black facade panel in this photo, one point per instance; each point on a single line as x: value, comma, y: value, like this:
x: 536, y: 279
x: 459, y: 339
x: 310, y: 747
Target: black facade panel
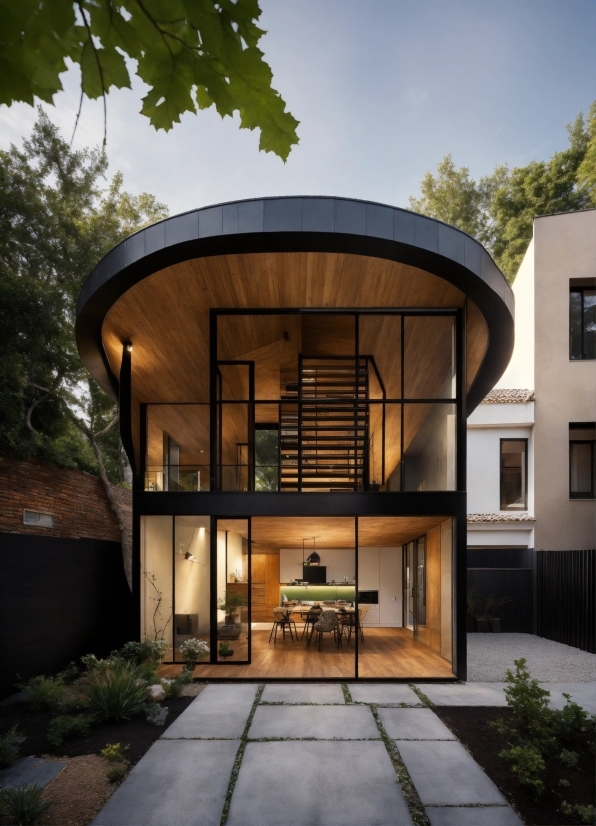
x: 60, y: 599
x: 210, y: 222
x: 284, y: 215
x: 517, y: 584
x: 566, y: 597
x: 350, y: 217
x: 318, y: 215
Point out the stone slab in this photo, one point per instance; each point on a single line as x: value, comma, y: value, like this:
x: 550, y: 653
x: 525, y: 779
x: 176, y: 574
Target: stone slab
x: 445, y: 774
x: 414, y: 724
x: 317, y: 784
x: 584, y: 694
x: 303, y: 693
x: 176, y: 783
x: 320, y: 722
x: 383, y: 693
x: 473, y: 816
x: 30, y: 770
x: 468, y: 694
x: 220, y: 711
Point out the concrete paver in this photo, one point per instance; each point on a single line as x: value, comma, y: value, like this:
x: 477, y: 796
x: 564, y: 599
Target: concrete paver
x: 584, y: 694
x: 176, y: 783
x: 319, y: 784
x: 468, y: 694
x: 414, y: 724
x: 219, y: 711
x: 444, y: 774
x: 320, y: 722
x: 472, y: 816
x: 303, y: 693
x: 382, y: 693
x: 30, y: 770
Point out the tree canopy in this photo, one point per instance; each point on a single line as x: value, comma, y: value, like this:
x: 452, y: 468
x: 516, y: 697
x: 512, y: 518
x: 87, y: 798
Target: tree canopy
x: 500, y: 208
x: 58, y: 217
x: 192, y: 54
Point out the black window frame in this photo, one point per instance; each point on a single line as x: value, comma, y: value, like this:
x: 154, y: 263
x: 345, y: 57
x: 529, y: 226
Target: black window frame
x: 525, y: 492
x: 581, y: 289
x: 592, y: 442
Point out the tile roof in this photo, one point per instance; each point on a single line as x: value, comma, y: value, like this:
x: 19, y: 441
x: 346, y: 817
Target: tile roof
x: 500, y: 517
x: 509, y: 397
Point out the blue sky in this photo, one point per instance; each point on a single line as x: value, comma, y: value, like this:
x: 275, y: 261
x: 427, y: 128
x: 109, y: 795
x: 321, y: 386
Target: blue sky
x: 382, y: 89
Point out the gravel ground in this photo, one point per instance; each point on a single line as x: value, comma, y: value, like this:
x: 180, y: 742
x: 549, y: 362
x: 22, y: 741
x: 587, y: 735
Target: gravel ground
x: 549, y: 662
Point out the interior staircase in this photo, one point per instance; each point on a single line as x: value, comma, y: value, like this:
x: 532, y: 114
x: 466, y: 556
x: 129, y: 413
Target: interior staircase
x: 324, y: 426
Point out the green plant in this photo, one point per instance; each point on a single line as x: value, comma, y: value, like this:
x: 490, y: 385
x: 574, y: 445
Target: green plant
x: 44, y: 692
x: 230, y: 602
x: 569, y: 758
x: 173, y: 687
x: 532, y: 717
x: 140, y: 652
x: 116, y: 773
x: 9, y: 747
x: 119, y: 692
x: 497, y: 606
x: 571, y: 719
x: 67, y: 727
x: 193, y: 650
x: 23, y: 805
x: 69, y: 675
x: 528, y: 764
x: 224, y: 649
x: 114, y: 752
x: 587, y: 813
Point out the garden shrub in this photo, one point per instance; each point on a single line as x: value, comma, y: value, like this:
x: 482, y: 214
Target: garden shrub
x: 67, y: 727
x: 156, y: 714
x: 587, y: 813
x: 141, y: 652
x: 44, y: 692
x: 114, y: 752
x: 23, y: 805
x: 116, y: 773
x: 528, y: 764
x: 173, y: 686
x: 9, y: 747
x: 119, y: 691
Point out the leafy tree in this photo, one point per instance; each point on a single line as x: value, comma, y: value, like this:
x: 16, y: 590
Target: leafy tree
x: 500, y: 208
x: 192, y: 54
x: 56, y: 222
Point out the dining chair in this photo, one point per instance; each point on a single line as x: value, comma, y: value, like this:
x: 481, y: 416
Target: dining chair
x: 362, y: 612
x: 282, y: 622
x: 327, y: 624
x: 313, y: 616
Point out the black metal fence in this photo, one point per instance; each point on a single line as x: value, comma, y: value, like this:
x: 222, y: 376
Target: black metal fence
x: 552, y: 593
x: 566, y: 597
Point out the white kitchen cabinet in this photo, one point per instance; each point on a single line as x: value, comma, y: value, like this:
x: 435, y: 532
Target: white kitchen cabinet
x: 290, y: 564
x: 368, y: 569
x: 372, y: 616
x: 390, y: 590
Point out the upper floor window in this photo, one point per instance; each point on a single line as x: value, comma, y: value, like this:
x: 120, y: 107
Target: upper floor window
x: 582, y: 319
x: 582, y: 436
x: 514, y: 474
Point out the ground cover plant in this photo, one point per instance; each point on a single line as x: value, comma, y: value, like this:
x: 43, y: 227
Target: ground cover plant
x: 541, y: 758
x: 23, y: 805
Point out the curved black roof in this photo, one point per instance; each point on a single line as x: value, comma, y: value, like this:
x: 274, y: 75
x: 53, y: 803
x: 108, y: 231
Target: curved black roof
x: 302, y: 224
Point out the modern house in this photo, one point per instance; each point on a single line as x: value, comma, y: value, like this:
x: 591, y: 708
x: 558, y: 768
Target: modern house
x: 531, y: 463
x: 294, y: 378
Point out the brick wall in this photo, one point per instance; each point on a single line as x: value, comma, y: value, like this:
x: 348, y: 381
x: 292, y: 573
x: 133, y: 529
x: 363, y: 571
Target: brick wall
x: 76, y: 500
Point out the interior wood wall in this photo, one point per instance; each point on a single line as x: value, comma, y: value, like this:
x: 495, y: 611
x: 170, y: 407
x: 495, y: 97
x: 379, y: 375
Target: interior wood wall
x: 265, y: 586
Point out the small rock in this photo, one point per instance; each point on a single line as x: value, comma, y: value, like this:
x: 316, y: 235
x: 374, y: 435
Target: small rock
x: 157, y: 693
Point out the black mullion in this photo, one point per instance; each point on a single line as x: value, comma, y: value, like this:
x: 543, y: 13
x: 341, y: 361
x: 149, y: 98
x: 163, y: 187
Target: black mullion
x: 251, y: 425
x: 356, y: 604
x: 173, y: 589
x: 299, y: 423
x: 460, y: 432
x: 402, y: 469
x: 213, y: 590
x: 249, y: 589
x: 213, y: 407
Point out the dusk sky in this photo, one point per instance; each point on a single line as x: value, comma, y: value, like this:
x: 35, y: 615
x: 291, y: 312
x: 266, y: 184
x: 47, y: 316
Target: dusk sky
x: 383, y: 90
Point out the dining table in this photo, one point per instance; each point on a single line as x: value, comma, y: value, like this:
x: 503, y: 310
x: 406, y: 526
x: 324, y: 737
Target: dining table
x: 344, y: 611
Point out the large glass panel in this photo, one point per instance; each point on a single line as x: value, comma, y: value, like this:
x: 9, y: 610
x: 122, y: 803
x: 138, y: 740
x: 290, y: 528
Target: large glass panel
x: 232, y: 590
x: 177, y: 457
x: 575, y: 324
x: 514, y: 484
x: 235, y: 446
x: 589, y: 330
x: 384, y: 442
x: 234, y: 382
x: 380, y: 341
x: 156, y: 580
x: 192, y: 603
x: 405, y: 593
x: 430, y: 446
x: 429, y: 357
x: 266, y: 457
x: 581, y: 460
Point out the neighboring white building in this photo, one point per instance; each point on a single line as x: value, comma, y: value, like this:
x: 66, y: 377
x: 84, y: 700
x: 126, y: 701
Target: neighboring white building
x: 531, y: 443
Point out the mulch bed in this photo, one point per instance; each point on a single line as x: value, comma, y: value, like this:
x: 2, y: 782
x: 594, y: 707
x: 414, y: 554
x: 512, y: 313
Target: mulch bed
x: 470, y: 725
x: 136, y: 733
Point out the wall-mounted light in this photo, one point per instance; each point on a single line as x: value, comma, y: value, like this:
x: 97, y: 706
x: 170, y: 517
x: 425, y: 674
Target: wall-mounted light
x: 190, y: 557
x: 128, y: 348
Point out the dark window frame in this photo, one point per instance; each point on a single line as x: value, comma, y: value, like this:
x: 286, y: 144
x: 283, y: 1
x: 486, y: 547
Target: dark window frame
x: 580, y: 290
x: 592, y: 442
x: 525, y: 492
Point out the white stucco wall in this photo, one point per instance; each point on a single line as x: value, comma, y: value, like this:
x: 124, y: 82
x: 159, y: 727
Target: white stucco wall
x: 520, y: 371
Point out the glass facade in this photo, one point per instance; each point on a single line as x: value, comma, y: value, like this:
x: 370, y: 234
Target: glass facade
x: 582, y: 465
x: 514, y: 474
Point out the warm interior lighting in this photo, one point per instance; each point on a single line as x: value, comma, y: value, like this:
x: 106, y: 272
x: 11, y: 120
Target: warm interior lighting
x: 190, y: 557
x: 128, y: 348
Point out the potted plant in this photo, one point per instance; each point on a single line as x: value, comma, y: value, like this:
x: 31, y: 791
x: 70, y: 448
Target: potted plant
x: 225, y: 650
x: 193, y: 650
x: 229, y: 604
x: 496, y: 608
x: 478, y: 612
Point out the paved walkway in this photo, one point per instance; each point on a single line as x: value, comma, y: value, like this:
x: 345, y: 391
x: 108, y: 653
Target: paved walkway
x: 308, y: 755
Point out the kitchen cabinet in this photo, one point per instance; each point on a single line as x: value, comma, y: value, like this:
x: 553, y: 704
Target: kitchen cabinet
x: 390, y: 590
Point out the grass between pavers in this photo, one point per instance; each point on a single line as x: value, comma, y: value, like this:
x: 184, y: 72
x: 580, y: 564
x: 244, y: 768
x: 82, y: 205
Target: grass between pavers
x: 347, y: 696
x: 426, y: 700
x: 413, y: 801
x: 239, y: 756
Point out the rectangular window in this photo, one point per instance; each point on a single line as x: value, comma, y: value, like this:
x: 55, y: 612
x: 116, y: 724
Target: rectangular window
x: 42, y: 520
x: 582, y: 437
x: 514, y: 474
x: 582, y: 322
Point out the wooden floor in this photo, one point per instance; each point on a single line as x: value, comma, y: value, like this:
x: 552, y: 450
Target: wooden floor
x: 385, y: 652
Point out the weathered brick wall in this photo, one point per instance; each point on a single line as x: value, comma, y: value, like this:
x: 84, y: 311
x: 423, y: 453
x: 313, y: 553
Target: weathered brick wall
x: 77, y: 501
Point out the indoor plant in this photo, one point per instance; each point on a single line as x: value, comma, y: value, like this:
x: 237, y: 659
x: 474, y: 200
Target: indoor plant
x: 193, y: 650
